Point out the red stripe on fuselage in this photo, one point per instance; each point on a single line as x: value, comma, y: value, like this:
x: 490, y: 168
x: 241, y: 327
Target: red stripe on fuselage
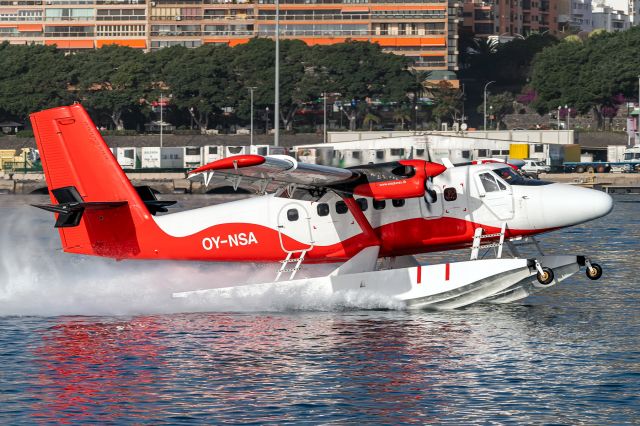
x: 408, y: 237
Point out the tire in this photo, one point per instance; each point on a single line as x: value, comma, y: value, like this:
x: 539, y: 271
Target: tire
x: 580, y: 169
x: 595, y: 272
x: 546, y: 277
x: 591, y: 169
x: 601, y: 169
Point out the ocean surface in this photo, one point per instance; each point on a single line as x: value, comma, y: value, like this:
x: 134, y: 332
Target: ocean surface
x: 86, y: 340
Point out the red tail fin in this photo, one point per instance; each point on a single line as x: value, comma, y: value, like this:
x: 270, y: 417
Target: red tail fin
x: 74, y: 155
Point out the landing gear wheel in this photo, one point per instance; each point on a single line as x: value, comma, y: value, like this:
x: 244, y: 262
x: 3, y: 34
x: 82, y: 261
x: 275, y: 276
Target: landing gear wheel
x: 594, y: 272
x: 546, y: 277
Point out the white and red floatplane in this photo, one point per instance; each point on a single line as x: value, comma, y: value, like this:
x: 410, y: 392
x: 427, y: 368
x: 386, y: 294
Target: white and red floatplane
x: 369, y: 221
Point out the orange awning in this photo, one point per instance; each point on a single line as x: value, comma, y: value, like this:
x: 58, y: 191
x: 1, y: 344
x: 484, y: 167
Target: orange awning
x: 231, y: 42
x: 30, y: 27
x: 139, y: 44
x: 71, y: 44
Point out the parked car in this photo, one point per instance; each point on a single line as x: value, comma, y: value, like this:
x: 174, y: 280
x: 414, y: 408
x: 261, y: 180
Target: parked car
x: 534, y: 167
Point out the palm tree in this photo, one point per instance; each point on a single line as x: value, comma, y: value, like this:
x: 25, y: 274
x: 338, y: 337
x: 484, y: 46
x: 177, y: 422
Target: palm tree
x: 369, y: 119
x: 402, y: 115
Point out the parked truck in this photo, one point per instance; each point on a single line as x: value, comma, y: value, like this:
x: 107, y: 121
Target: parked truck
x: 620, y: 159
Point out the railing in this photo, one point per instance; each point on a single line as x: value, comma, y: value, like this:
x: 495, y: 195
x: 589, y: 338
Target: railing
x: 69, y: 18
x: 227, y: 33
x: 57, y: 34
x: 21, y: 3
x: 20, y: 18
x: 430, y: 64
x: 351, y: 17
x: 228, y: 17
x: 120, y: 18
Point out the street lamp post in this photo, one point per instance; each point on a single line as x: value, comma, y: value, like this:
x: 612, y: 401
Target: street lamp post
x: 415, y: 119
x: 485, y: 103
x: 267, y: 116
x: 637, y: 141
x: 251, y: 89
x: 276, y: 111
x: 324, y: 106
x: 161, y: 118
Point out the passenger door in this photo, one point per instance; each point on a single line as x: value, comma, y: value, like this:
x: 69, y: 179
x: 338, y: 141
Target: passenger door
x: 495, y: 194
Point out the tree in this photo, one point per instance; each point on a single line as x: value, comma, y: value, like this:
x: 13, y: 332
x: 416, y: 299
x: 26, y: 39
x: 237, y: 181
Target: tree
x: 448, y: 101
x: 402, y: 115
x: 586, y: 75
x: 111, y: 81
x: 33, y: 78
x: 369, y: 120
x: 500, y: 105
x: 202, y: 82
x: 361, y: 71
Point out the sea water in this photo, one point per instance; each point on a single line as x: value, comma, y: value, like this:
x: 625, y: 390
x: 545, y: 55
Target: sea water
x: 89, y: 340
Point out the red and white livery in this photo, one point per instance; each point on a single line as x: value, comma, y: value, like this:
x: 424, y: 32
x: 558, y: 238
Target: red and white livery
x: 309, y: 213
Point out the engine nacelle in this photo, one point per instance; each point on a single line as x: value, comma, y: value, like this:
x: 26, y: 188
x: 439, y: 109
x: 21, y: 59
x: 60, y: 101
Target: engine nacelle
x: 403, y: 179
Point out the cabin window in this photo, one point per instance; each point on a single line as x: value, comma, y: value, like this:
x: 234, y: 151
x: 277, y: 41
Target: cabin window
x: 495, y: 152
x: 213, y: 150
x: 262, y: 150
x: 489, y: 183
x: 292, y: 215
x: 419, y: 152
x: 363, y: 203
x: 466, y: 154
x: 380, y: 155
x: 398, y: 202
x: 482, y: 153
x: 323, y: 209
x: 398, y: 152
x: 341, y: 207
x: 538, y: 147
x: 192, y: 151
x: 450, y: 194
x: 355, y: 155
x: 235, y: 149
x: 379, y: 204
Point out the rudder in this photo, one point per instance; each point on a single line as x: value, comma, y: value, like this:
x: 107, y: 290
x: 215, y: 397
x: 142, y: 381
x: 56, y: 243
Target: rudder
x: 78, y: 164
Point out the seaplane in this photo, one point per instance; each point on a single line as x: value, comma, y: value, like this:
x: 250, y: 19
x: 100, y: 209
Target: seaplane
x: 368, y: 223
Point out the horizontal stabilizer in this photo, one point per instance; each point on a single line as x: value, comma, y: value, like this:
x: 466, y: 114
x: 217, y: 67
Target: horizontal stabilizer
x: 71, y: 213
x: 70, y: 206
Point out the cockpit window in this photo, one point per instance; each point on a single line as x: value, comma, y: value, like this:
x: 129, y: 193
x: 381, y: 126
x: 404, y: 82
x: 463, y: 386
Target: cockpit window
x: 489, y: 183
x: 514, y: 178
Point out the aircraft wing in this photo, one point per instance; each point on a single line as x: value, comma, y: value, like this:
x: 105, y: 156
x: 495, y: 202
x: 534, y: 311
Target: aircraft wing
x: 272, y: 172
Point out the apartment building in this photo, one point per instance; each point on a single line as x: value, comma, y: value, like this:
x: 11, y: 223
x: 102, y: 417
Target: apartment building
x: 424, y: 30
x: 510, y: 17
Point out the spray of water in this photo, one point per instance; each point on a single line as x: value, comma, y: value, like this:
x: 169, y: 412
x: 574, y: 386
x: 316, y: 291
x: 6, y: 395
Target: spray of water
x: 37, y: 278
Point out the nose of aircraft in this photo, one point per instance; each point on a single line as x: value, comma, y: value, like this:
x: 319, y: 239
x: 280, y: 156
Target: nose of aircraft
x: 566, y: 205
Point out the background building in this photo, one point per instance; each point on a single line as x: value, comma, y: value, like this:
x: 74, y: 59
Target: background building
x: 424, y: 30
x: 510, y: 17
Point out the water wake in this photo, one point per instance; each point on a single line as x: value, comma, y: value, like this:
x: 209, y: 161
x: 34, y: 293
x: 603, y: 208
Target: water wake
x: 37, y: 278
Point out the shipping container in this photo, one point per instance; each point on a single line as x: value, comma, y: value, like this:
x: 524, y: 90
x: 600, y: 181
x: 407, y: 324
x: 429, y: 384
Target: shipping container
x: 126, y: 157
x: 571, y: 153
x: 192, y: 157
x: 615, y: 153
x: 150, y: 157
x: 211, y: 153
x: 519, y: 151
x: 172, y: 158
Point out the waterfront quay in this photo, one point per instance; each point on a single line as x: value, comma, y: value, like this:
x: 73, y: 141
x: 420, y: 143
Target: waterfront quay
x: 177, y: 182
